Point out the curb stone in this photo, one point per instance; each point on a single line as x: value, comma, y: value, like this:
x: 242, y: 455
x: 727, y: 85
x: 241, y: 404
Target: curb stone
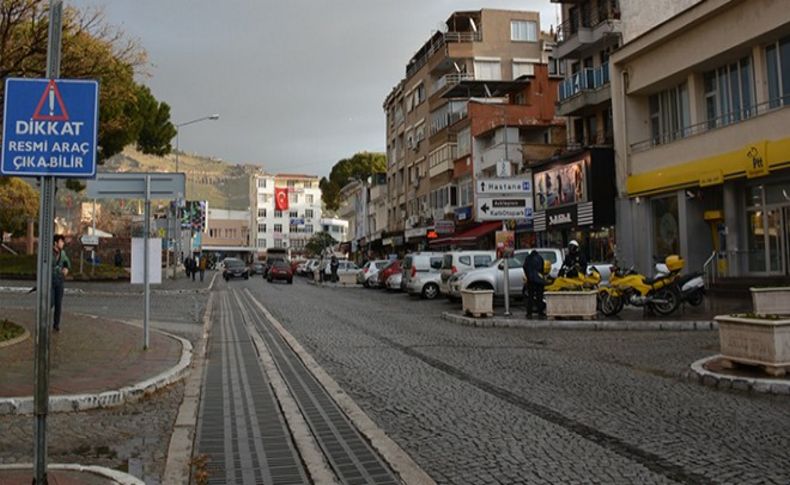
x: 83, y: 402
x: 601, y: 325
x: 409, y: 471
x: 115, y: 475
x: 16, y: 340
x: 699, y: 373
x: 180, y: 450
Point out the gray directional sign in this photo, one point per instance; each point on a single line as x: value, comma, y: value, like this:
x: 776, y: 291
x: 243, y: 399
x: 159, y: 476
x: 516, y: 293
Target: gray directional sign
x: 131, y: 185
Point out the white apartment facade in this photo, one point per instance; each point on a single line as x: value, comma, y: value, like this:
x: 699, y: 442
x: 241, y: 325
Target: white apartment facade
x: 289, y: 228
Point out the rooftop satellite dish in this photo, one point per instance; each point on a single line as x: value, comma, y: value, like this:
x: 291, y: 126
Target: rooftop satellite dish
x: 472, y: 24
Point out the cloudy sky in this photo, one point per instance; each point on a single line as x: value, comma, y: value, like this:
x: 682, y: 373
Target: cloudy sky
x: 298, y: 84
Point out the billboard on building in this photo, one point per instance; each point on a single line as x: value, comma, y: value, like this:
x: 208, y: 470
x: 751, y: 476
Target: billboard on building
x: 560, y: 186
x: 194, y: 215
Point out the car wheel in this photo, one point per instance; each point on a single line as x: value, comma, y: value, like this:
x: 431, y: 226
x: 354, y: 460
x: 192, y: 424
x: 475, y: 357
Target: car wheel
x: 430, y: 291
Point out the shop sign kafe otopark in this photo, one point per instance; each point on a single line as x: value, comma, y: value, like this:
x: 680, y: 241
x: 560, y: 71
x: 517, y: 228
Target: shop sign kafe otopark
x: 49, y: 127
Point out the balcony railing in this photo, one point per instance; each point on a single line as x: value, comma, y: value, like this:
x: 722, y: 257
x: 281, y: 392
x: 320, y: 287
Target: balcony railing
x: 732, y: 118
x: 588, y: 79
x: 451, y: 80
x: 587, y: 19
x: 439, y: 43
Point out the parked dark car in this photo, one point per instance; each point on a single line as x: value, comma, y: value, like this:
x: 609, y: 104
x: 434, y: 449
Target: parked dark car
x: 257, y: 268
x: 280, y: 270
x: 235, y: 268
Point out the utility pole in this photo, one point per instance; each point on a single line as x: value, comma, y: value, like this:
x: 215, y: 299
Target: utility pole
x: 44, y: 274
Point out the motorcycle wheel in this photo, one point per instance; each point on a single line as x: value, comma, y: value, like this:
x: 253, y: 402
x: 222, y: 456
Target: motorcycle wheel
x: 695, y: 299
x: 611, y: 305
x: 672, y: 301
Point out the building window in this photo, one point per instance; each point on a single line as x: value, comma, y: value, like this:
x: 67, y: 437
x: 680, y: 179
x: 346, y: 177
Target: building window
x: 261, y: 227
x: 261, y: 183
x: 293, y: 214
x: 777, y: 60
x: 308, y: 228
x: 309, y: 198
x: 523, y: 68
x: 556, y: 67
x: 291, y: 184
x: 262, y: 243
x: 278, y: 213
x: 523, y: 31
x: 729, y: 93
x: 278, y: 228
x: 261, y: 212
x: 488, y: 70
x: 293, y: 228
x: 279, y: 243
x: 669, y: 115
x: 308, y: 213
x: 419, y: 94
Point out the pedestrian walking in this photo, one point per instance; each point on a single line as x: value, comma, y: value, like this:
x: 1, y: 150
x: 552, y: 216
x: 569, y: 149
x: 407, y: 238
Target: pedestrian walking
x: 60, y: 269
x: 202, y: 266
x: 118, y: 259
x: 533, y: 270
x: 333, y: 265
x: 193, y: 266
x: 189, y: 265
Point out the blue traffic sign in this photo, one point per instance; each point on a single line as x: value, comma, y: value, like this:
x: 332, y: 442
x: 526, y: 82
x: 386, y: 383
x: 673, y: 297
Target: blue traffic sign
x: 49, y: 127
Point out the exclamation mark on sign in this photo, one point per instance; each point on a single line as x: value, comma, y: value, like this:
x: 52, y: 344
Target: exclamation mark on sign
x: 51, y: 100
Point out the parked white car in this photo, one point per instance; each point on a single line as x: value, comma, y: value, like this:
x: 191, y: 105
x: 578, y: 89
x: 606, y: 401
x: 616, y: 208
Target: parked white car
x: 425, y: 284
x: 369, y: 276
x: 492, y: 278
x: 393, y: 282
x: 344, y: 266
x: 419, y: 262
x: 455, y: 262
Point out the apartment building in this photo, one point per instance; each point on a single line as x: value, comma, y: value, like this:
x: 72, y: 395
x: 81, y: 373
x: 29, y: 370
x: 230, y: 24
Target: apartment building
x: 285, y: 210
x: 337, y: 228
x: 227, y: 233
x: 425, y: 111
x: 701, y: 121
x: 591, y: 30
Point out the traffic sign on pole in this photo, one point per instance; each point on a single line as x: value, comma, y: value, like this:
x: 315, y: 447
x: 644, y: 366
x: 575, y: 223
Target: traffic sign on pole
x: 497, y: 208
x: 515, y: 185
x: 49, y: 127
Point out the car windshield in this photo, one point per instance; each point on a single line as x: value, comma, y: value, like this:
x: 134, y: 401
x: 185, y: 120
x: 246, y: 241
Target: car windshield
x: 234, y: 263
x: 280, y: 265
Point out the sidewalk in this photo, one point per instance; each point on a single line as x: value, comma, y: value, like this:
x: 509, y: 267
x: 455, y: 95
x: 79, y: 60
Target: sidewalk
x: 72, y: 475
x: 88, y: 356
x: 180, y: 284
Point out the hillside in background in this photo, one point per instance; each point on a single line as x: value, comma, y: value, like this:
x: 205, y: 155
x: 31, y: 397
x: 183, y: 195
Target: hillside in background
x: 224, y: 185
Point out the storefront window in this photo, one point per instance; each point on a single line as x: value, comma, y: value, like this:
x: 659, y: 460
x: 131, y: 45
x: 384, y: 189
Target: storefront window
x: 756, y: 242
x: 666, y: 231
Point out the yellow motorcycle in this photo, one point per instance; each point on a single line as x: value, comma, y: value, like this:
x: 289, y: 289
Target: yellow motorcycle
x: 578, y: 282
x: 660, y: 294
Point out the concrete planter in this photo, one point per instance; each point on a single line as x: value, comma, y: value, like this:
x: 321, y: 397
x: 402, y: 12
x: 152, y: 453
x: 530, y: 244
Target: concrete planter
x: 580, y: 304
x: 771, y: 301
x: 478, y: 303
x: 347, y: 279
x: 756, y: 341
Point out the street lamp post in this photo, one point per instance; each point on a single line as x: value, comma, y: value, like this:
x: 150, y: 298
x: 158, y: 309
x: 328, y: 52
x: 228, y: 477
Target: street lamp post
x: 177, y: 254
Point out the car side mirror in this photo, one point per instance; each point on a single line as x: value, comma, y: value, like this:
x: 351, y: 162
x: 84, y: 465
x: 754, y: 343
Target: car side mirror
x: 501, y: 265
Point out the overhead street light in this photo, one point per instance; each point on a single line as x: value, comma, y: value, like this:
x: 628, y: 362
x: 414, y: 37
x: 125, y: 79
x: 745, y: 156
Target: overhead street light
x: 177, y: 249
x: 179, y: 125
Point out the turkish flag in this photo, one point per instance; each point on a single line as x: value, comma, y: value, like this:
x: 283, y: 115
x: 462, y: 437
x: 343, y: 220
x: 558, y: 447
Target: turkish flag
x: 281, y: 199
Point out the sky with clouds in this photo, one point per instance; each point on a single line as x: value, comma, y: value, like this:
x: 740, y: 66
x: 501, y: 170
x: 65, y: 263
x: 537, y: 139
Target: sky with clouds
x: 298, y: 84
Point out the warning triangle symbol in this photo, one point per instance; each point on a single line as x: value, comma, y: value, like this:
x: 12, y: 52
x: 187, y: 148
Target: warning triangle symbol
x: 50, y: 106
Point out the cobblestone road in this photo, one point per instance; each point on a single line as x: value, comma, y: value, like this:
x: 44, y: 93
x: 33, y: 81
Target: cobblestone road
x: 490, y: 405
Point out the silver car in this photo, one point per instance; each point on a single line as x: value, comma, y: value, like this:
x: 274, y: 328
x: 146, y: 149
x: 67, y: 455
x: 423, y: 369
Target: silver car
x: 425, y: 284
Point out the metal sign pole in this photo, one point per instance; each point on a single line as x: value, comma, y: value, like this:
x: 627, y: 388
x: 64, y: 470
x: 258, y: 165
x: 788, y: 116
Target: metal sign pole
x: 146, y: 231
x: 506, y: 255
x: 46, y: 222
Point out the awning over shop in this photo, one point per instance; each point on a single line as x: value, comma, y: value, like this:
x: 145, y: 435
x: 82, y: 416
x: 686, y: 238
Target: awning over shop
x: 469, y: 236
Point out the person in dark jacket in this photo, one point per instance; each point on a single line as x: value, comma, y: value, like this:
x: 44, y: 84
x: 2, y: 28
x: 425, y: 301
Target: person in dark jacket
x: 333, y: 265
x: 61, y: 265
x: 118, y: 259
x: 575, y: 263
x: 533, y: 270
